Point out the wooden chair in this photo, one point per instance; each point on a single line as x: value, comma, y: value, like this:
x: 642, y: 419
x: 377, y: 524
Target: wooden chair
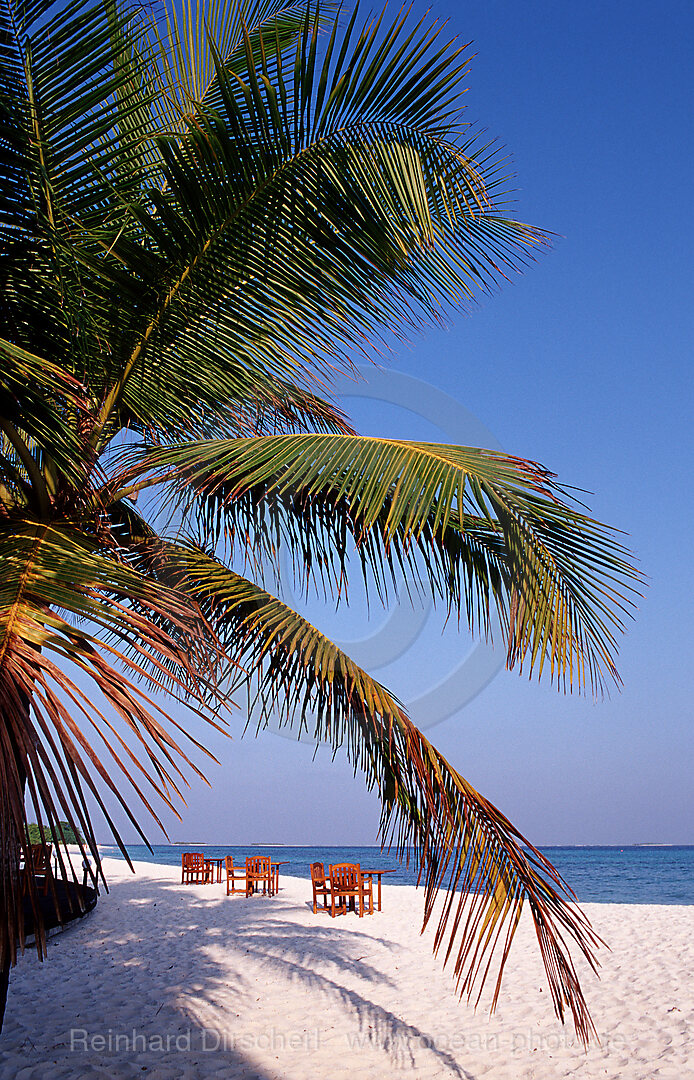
x: 194, y: 869
x: 259, y: 869
x: 348, y: 886
x: 234, y: 874
x: 38, y: 866
x: 320, y: 885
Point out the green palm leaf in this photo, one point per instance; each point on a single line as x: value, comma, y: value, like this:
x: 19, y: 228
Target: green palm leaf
x: 189, y: 42
x: 321, y: 227
x: 486, y: 528
x: 38, y: 405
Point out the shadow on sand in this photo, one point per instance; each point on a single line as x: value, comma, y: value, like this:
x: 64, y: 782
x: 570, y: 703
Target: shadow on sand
x: 206, y: 1009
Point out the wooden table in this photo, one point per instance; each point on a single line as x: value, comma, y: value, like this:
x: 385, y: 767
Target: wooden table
x: 370, y: 874
x: 218, y: 864
x: 275, y: 873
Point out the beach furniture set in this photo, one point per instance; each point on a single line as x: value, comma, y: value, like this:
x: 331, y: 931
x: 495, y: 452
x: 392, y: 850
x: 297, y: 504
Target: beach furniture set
x: 259, y: 873
x: 346, y: 887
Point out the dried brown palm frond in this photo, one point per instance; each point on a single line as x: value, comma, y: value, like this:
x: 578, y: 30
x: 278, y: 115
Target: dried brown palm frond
x: 85, y: 643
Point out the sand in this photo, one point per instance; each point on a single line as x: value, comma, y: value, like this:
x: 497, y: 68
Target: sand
x: 168, y: 982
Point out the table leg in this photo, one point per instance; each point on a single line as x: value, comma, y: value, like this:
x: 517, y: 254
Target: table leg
x: 379, y: 892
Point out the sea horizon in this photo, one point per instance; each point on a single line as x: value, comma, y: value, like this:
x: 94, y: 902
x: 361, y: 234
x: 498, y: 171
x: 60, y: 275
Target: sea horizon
x: 645, y: 873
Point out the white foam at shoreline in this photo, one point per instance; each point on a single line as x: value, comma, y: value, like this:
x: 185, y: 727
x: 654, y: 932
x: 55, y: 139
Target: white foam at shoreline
x: 262, y: 988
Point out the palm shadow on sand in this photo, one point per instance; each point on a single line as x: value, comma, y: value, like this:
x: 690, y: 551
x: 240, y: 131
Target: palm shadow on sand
x: 194, y: 998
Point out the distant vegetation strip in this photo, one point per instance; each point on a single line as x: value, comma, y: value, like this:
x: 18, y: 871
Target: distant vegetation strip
x: 64, y: 834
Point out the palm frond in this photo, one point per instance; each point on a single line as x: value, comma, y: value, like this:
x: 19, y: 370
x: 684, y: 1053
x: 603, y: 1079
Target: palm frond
x: 78, y: 98
x: 39, y: 406
x: 188, y: 42
x: 287, y: 233
x: 80, y: 635
x: 78, y: 81
x: 458, y: 840
x: 486, y: 528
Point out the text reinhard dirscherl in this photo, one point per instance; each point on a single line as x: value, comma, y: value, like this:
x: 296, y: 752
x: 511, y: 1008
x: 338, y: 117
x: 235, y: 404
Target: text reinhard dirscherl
x: 201, y: 1040
x: 209, y: 1040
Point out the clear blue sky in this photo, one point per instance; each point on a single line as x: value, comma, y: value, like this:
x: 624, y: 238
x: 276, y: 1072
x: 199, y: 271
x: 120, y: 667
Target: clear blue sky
x: 585, y: 365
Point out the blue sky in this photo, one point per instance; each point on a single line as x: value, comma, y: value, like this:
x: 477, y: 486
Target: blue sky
x: 584, y: 365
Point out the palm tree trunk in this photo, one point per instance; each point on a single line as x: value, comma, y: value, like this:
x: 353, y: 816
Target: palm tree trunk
x: 11, y: 900
x: 4, y: 987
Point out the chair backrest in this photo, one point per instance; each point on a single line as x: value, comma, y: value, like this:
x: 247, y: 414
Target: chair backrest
x: 229, y: 861
x: 40, y: 858
x: 318, y: 873
x: 345, y: 875
x: 192, y: 860
x: 258, y: 864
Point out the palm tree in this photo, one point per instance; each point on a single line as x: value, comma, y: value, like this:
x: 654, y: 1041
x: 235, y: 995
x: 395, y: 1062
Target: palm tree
x: 205, y: 214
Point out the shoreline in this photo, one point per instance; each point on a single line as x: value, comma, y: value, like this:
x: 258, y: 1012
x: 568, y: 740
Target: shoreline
x: 195, y: 984
x: 640, y: 875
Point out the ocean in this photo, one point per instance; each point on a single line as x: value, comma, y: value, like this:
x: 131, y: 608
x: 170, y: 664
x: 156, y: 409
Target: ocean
x: 598, y: 875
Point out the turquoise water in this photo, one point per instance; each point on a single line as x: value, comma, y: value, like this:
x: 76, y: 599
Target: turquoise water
x: 603, y: 875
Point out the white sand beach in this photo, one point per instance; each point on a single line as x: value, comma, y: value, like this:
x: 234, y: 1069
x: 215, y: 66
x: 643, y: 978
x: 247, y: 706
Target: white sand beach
x: 171, y: 982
